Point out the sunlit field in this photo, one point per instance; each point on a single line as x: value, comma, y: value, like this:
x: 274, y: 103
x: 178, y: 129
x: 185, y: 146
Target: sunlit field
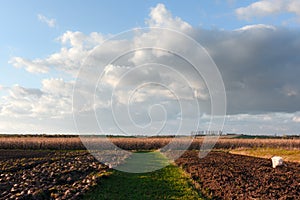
x: 61, y: 168
x: 132, y: 143
x: 150, y: 100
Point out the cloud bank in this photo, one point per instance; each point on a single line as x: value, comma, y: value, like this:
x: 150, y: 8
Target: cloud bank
x: 269, y: 7
x: 259, y: 65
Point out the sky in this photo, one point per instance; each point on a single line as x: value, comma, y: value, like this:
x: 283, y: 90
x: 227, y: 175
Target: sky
x: 56, y: 76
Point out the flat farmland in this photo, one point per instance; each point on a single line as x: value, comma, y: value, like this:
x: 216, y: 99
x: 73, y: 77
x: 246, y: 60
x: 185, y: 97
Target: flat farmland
x: 61, y: 168
x: 222, y: 175
x: 47, y: 174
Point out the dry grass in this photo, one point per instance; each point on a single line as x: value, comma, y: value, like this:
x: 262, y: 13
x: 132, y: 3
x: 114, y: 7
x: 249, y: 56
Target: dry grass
x: 292, y: 155
x: 61, y: 143
x: 258, y: 143
x: 54, y: 143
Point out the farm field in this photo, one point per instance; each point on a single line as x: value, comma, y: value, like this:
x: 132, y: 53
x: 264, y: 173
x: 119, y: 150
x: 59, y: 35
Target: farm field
x: 75, y: 143
x: 42, y: 168
x: 47, y: 174
x: 222, y: 175
x: 292, y: 155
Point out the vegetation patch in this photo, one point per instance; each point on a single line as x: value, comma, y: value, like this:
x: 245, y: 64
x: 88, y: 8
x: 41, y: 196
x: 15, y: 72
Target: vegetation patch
x: 292, y: 155
x: 169, y: 182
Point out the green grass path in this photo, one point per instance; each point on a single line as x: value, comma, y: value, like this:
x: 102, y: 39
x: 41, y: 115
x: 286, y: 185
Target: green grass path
x: 167, y: 183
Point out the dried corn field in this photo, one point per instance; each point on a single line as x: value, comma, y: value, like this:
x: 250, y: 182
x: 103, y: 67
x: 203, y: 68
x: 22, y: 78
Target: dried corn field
x: 75, y: 143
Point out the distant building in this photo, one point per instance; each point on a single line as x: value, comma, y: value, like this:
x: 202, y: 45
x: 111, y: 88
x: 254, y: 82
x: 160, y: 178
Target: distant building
x: 206, y: 132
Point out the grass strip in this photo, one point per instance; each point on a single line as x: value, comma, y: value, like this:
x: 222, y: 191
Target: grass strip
x: 170, y: 182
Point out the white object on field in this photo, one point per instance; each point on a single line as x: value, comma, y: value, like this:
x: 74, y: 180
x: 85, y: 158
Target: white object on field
x: 277, y: 161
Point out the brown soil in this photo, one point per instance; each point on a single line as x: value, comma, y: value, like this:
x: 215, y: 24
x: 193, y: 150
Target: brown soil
x: 47, y: 174
x: 223, y: 175
x: 10, y: 154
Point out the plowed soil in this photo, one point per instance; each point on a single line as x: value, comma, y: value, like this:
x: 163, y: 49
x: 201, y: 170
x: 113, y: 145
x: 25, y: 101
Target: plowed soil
x: 223, y: 175
x: 47, y: 174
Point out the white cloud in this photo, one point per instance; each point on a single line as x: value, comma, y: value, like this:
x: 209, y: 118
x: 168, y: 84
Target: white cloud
x: 268, y: 123
x: 20, y: 101
x: 268, y: 7
x: 258, y: 63
x: 57, y: 87
x: 35, y: 125
x: 19, y: 92
x: 161, y: 17
x: 79, y: 40
x: 290, y: 91
x: 32, y: 66
x: 256, y: 27
x: 53, y: 101
x: 294, y: 7
x: 296, y: 119
x: 50, y: 22
x: 75, y: 47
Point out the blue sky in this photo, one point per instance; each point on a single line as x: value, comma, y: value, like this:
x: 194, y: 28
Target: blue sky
x: 32, y: 31
x: 24, y: 34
